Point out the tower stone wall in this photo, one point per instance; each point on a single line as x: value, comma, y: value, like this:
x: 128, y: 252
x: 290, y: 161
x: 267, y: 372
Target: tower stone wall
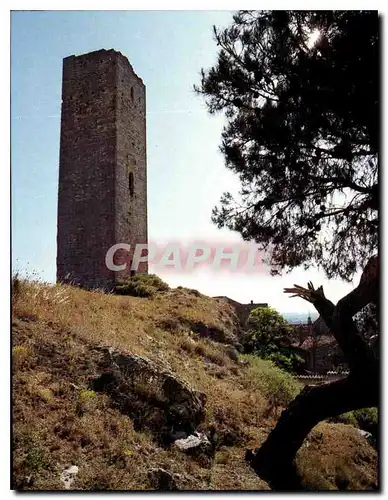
x: 102, y: 197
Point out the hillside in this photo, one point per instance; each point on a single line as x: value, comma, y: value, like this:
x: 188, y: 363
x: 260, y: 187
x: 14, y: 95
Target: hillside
x: 80, y: 399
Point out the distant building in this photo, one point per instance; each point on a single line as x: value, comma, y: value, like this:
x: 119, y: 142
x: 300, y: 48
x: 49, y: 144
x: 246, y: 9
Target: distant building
x: 320, y: 328
x: 318, y: 347
x: 304, y: 330
x: 242, y: 310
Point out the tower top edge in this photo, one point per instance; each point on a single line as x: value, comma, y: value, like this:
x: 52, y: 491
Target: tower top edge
x: 98, y: 54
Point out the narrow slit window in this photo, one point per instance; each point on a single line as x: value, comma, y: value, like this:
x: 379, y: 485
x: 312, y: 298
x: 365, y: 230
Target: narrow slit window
x: 132, y: 96
x: 131, y: 183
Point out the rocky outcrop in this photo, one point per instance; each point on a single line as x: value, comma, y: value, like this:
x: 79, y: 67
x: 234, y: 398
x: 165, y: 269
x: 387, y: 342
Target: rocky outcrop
x: 163, y: 480
x: 193, y: 443
x: 197, y: 446
x: 368, y: 436
x: 222, y: 335
x: 152, y: 396
x: 68, y: 476
x: 232, y: 353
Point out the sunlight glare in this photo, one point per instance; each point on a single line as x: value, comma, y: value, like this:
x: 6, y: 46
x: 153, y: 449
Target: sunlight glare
x: 313, y: 38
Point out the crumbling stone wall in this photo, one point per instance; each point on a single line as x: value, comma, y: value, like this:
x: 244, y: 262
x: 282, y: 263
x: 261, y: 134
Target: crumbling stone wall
x: 102, y: 197
x: 242, y: 310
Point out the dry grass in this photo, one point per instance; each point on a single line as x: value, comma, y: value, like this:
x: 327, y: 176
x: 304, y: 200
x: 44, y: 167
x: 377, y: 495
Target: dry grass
x: 59, y: 421
x: 348, y: 462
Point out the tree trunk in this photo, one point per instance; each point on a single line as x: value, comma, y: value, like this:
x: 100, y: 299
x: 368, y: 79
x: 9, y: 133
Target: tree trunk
x: 273, y: 461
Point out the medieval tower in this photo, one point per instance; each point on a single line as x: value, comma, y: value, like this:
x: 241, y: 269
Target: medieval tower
x: 102, y: 198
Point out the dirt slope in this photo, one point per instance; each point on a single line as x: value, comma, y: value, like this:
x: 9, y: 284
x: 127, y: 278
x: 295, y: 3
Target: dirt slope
x: 59, y: 421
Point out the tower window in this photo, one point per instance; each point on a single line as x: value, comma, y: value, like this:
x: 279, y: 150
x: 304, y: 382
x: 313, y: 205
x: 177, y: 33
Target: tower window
x: 132, y: 97
x: 131, y: 184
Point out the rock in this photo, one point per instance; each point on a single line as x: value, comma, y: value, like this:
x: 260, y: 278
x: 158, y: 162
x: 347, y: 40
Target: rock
x: 365, y: 434
x: 178, y: 435
x: 226, y: 437
x: 164, y: 480
x: 29, y: 480
x: 221, y: 335
x: 232, y: 353
x: 151, y: 395
x: 199, y: 447
x: 68, y: 476
x: 192, y: 441
x: 368, y: 436
x: 239, y: 347
x: 195, y: 444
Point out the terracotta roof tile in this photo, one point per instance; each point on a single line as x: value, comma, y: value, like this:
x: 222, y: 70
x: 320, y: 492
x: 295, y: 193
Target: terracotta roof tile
x: 324, y: 340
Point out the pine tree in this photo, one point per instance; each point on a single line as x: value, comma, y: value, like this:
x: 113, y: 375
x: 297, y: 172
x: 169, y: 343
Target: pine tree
x: 300, y: 92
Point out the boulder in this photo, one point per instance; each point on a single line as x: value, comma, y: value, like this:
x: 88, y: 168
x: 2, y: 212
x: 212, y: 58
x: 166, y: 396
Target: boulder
x: 68, y: 476
x: 368, y: 436
x: 239, y: 347
x: 193, y: 442
x: 232, y: 353
x: 163, y: 480
x: 365, y: 434
x: 152, y: 396
x: 197, y: 446
x: 223, y: 334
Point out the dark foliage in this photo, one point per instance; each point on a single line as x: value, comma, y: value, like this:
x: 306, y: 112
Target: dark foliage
x: 141, y: 285
x: 302, y: 134
x: 367, y: 322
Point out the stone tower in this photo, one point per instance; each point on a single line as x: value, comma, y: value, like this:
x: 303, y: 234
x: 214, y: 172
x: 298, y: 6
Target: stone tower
x: 102, y: 198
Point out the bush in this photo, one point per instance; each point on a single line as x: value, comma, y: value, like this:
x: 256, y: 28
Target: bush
x: 141, y: 285
x: 21, y: 355
x: 346, y: 418
x: 194, y: 292
x: 365, y: 419
x: 36, y: 459
x: 267, y: 325
x: 367, y: 321
x: 274, y: 383
x: 16, y: 284
x: 286, y: 359
x: 270, y: 337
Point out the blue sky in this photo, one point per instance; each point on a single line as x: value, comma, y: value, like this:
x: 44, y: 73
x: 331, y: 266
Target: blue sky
x: 186, y: 172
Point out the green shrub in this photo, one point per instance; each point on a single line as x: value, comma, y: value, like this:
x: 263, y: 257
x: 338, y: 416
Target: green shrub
x: 267, y: 325
x: 286, y: 359
x: 86, y: 395
x: 21, y: 355
x: 367, y: 419
x: 345, y: 418
x: 273, y: 382
x: 87, y: 400
x: 194, y: 292
x: 141, y: 285
x: 270, y: 337
x: 36, y: 459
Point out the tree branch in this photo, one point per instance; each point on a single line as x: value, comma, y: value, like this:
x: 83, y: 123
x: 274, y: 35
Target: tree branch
x: 273, y: 461
x: 339, y: 319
